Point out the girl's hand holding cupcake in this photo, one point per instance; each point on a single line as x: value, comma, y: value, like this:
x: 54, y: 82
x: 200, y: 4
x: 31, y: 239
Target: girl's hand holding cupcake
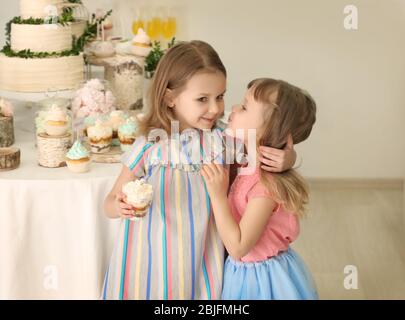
x: 139, y: 195
x: 125, y: 210
x: 216, y: 179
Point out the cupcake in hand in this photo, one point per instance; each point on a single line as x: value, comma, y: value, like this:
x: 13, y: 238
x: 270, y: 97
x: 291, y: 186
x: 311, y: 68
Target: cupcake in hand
x: 78, y: 158
x: 126, y: 134
x: 100, y: 137
x: 139, y: 194
x: 56, y: 121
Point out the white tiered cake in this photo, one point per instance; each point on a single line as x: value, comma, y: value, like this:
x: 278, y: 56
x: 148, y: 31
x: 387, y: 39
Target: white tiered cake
x: 51, y: 64
x: 36, y: 8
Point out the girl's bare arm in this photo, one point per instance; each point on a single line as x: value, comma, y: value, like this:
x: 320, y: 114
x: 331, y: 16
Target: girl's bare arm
x: 238, y: 238
x: 114, y: 204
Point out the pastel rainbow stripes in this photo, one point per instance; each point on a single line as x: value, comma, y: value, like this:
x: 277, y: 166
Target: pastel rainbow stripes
x: 175, y: 251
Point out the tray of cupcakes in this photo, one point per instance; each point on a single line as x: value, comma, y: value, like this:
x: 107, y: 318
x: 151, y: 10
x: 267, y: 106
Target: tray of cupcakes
x: 100, y: 123
x: 101, y: 139
x: 110, y: 135
x: 104, y: 140
x: 91, y: 131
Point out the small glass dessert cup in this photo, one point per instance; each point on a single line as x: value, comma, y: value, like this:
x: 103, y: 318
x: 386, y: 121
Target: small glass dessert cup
x: 100, y: 137
x: 139, y: 195
x: 140, y: 210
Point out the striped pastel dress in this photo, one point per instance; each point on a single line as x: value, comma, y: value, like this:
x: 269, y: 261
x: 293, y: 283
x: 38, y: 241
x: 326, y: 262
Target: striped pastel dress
x: 174, y: 252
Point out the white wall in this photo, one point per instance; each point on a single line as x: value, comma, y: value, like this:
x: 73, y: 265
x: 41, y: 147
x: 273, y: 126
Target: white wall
x: 356, y: 77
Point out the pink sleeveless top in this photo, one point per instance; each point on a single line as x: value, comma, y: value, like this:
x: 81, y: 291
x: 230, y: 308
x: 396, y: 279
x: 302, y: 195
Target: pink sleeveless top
x: 282, y: 227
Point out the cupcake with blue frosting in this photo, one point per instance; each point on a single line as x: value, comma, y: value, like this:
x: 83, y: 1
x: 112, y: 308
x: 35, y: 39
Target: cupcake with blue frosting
x: 126, y: 134
x: 78, y: 158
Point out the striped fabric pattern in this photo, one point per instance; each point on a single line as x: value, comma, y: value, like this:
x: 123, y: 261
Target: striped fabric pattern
x: 174, y: 252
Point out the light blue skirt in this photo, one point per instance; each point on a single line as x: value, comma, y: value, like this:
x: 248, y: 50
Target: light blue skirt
x: 283, y: 277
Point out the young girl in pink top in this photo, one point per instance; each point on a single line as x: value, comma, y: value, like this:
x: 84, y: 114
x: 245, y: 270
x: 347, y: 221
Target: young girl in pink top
x: 260, y: 218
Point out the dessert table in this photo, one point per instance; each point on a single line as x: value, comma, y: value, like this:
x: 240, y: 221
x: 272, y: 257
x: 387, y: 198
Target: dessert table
x: 55, y: 241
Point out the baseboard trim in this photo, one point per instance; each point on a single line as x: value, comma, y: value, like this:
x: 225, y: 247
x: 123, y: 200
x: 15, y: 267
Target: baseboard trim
x: 356, y: 183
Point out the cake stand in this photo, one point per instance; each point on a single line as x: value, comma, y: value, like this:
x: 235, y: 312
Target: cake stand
x: 34, y: 97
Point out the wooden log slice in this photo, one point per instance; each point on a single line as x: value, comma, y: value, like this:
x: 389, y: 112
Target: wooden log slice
x: 9, y: 158
x: 6, y: 131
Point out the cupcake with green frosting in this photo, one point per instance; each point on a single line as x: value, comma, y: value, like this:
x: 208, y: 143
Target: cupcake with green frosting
x: 126, y: 134
x: 78, y: 158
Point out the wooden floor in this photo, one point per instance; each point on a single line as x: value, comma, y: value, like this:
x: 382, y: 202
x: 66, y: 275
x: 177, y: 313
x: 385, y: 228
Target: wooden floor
x: 363, y: 227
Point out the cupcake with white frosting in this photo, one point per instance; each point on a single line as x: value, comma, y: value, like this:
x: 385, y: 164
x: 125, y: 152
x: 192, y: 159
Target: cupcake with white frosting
x: 141, y: 44
x: 116, y: 119
x: 126, y: 134
x: 100, y: 136
x: 56, y: 121
x: 78, y: 158
x: 139, y: 194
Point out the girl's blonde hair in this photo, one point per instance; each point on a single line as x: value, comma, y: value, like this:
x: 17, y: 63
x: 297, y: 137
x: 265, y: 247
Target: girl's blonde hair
x: 291, y: 112
x: 175, y: 68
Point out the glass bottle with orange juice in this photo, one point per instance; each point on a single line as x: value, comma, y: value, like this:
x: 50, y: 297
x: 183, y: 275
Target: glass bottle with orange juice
x: 169, y: 24
x: 154, y: 24
x: 138, y: 22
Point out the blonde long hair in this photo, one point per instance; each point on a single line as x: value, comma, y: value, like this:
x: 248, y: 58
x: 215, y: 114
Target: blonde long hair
x: 292, y: 112
x: 175, y: 68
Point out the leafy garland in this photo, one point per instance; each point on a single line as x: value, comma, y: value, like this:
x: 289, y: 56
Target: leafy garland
x: 77, y: 44
x: 89, y: 33
x: 64, y: 19
x: 67, y: 14
x: 28, y: 54
x: 19, y: 20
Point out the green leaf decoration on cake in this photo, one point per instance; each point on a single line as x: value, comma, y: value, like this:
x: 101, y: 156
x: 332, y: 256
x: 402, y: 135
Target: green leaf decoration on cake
x: 77, y: 44
x: 90, y: 32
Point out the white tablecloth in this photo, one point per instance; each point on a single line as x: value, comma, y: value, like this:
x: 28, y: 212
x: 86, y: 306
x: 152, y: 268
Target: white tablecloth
x: 55, y: 241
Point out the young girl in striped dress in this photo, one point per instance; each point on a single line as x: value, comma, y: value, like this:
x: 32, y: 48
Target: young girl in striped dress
x: 174, y: 252
x: 260, y: 217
